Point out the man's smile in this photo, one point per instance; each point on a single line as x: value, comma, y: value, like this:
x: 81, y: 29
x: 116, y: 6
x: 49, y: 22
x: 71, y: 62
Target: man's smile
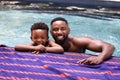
x: 60, y: 37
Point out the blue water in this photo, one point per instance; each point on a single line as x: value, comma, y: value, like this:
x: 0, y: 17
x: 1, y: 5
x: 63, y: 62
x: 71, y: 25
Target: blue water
x: 15, y: 27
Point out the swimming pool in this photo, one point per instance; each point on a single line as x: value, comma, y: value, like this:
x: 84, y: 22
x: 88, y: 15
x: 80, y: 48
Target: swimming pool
x: 15, y: 27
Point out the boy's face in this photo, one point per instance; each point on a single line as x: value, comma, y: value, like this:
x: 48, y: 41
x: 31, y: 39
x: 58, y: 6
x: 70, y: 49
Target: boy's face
x: 39, y: 36
x: 60, y: 31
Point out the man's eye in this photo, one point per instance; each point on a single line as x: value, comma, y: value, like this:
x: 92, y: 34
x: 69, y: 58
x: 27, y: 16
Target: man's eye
x: 55, y: 29
x: 63, y: 28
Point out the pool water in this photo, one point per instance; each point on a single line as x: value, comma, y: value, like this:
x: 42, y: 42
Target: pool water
x: 15, y: 27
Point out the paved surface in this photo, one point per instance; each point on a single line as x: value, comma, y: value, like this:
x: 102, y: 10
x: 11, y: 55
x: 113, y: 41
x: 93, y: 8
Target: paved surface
x: 90, y: 8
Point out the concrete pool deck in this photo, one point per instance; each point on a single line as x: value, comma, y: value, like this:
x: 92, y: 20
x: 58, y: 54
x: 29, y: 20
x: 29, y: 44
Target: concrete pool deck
x: 89, y: 8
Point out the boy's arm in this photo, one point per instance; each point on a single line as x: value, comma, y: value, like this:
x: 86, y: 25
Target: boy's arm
x: 54, y: 48
x: 30, y: 47
x: 24, y: 47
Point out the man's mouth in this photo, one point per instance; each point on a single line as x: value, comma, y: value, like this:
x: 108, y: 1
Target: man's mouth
x: 60, y: 37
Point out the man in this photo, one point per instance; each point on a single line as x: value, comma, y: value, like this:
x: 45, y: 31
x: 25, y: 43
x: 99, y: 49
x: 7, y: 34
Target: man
x: 60, y: 32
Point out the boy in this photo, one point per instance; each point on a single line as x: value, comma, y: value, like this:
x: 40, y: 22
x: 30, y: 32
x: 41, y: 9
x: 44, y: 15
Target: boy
x: 41, y: 42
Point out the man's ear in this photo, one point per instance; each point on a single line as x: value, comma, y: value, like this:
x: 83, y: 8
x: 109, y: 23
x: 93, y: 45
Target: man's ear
x: 68, y: 30
x: 50, y: 31
x: 31, y: 37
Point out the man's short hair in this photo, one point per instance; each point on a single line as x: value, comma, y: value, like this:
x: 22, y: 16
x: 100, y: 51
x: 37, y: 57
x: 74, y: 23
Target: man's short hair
x: 59, y: 18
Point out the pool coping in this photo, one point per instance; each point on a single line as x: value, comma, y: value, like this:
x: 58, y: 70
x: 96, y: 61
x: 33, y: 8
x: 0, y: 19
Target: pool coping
x: 96, y: 11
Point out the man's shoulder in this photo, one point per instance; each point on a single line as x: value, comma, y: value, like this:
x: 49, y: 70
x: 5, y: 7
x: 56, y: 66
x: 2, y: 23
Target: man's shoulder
x: 79, y: 37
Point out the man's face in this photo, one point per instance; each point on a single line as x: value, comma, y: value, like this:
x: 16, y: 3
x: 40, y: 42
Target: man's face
x: 60, y: 31
x: 39, y: 37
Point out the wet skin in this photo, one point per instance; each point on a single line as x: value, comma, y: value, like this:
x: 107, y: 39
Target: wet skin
x: 60, y: 32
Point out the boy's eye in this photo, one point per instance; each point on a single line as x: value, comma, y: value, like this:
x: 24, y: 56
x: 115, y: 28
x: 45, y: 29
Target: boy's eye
x: 42, y: 37
x: 35, y: 37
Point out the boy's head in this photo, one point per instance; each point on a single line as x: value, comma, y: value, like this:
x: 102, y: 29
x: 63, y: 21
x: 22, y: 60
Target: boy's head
x: 39, y: 33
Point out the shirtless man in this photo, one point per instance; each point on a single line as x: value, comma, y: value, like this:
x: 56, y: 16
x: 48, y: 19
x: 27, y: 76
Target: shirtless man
x: 60, y: 32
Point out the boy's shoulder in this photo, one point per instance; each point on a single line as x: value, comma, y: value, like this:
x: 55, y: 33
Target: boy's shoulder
x: 51, y: 42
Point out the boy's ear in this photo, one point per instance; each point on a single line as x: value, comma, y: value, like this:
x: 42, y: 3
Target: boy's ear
x: 50, y: 31
x: 48, y: 39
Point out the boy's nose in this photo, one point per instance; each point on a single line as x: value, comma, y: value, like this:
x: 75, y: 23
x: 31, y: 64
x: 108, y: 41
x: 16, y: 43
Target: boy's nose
x: 39, y: 40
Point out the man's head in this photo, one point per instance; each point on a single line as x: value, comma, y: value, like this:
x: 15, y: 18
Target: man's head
x: 39, y: 33
x: 59, y: 29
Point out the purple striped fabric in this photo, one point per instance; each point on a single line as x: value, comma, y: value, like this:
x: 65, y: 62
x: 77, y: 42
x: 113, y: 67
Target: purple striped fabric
x: 47, y: 66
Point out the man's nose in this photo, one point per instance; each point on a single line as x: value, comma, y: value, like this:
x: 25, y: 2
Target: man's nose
x: 59, y: 32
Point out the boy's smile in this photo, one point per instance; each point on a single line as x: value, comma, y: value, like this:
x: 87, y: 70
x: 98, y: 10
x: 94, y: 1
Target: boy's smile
x: 39, y: 37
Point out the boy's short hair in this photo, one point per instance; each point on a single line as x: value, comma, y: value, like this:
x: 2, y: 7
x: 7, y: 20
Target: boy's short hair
x: 59, y: 18
x: 39, y: 25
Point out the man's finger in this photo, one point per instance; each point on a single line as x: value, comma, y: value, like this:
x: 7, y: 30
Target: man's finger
x: 82, y: 61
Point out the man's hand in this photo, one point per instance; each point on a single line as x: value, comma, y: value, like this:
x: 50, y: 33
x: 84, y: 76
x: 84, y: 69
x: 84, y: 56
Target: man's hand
x: 91, y: 60
x: 39, y: 49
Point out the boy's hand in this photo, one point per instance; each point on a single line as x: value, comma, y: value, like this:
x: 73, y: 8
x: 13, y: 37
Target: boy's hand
x: 91, y: 60
x: 39, y: 49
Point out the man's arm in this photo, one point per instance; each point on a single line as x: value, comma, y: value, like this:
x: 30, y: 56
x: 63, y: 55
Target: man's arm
x: 106, y: 50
